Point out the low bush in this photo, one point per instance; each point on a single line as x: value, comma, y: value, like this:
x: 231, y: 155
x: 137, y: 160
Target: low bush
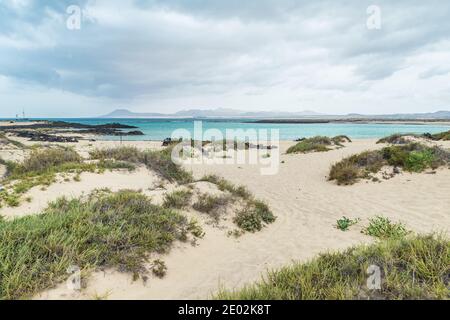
x: 224, y: 185
x: 41, y: 166
x: 105, y: 230
x: 254, y: 216
x: 45, y: 159
x: 345, y: 223
x: 214, y: 206
x: 124, y: 153
x: 444, y: 136
x: 412, y: 157
x: 381, y: 227
x: 411, y: 268
x: 158, y: 161
x: 318, y: 144
x: 398, y: 138
x: 178, y: 199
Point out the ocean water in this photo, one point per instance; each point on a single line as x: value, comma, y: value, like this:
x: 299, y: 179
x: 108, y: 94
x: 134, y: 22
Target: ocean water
x: 159, y: 129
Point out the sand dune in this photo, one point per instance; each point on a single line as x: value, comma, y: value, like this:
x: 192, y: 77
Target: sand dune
x: 307, y: 206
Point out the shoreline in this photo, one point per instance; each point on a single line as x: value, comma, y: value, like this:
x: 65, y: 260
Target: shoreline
x: 71, y: 132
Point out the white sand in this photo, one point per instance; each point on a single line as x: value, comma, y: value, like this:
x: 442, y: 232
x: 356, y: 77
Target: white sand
x: 11, y: 123
x: 307, y: 206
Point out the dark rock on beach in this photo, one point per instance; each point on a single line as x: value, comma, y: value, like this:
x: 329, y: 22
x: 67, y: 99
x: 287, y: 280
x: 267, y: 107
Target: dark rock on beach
x: 31, y: 131
x: 67, y: 125
x: 37, y: 136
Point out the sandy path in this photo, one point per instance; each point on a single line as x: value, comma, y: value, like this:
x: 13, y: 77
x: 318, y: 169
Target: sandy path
x: 307, y: 207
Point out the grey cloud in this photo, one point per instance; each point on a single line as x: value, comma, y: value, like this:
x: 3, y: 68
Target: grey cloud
x: 124, y: 60
x: 434, y: 72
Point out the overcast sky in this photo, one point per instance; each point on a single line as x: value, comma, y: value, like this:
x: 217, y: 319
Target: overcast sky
x: 165, y: 56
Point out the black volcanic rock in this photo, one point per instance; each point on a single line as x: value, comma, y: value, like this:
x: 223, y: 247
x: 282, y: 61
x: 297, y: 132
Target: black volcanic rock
x: 43, y: 137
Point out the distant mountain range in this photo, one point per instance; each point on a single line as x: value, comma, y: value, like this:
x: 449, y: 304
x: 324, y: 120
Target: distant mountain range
x: 231, y: 113
x: 213, y: 113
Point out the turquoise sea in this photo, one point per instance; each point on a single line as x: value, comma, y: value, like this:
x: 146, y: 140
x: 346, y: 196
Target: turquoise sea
x: 158, y: 129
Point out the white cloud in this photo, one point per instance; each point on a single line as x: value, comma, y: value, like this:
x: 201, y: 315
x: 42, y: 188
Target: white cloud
x: 266, y: 54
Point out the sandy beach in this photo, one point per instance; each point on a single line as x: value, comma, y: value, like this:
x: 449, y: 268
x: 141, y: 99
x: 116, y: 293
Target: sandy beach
x: 305, y: 203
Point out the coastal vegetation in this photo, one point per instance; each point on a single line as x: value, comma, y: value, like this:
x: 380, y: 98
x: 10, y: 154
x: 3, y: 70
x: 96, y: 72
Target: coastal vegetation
x: 213, y: 206
x: 383, y: 228
x: 224, y: 185
x: 441, y: 136
x: 253, y: 215
x: 318, y: 144
x: 411, y: 157
x: 402, y: 138
x: 398, y: 138
x: 158, y: 161
x: 413, y: 267
x: 179, y: 199
x: 6, y: 141
x: 119, y: 230
x: 41, y: 167
x: 345, y: 223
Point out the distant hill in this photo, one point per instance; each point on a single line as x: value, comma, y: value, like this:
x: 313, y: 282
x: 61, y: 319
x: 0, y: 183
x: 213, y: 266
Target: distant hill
x: 124, y: 113
x: 400, y: 116
x: 212, y: 113
x: 232, y: 113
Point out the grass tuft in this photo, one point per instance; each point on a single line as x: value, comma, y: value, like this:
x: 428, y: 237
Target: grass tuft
x: 413, y: 268
x: 40, y: 168
x: 158, y: 161
x: 345, y: 223
x: 178, y: 199
x: 383, y: 228
x: 318, y: 144
x: 254, y: 216
x: 224, y: 185
x: 412, y: 157
x: 213, y: 206
x: 105, y: 230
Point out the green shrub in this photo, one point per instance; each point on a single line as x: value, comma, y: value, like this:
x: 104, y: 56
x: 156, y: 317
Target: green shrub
x: 161, y: 162
x: 381, y: 227
x: 413, y: 268
x: 318, y: 144
x: 413, y: 157
x: 195, y: 229
x: 41, y: 166
x: 397, y: 138
x: 445, y: 136
x: 307, y: 146
x: 224, y: 185
x: 345, y: 223
x: 338, y: 140
x: 254, y: 216
x: 106, y: 230
x: 417, y: 161
x: 351, y: 169
x: 214, y: 206
x: 41, y: 160
x: 158, y: 161
x: 124, y: 153
x: 178, y: 199
x: 159, y: 268
x: 255, y: 213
